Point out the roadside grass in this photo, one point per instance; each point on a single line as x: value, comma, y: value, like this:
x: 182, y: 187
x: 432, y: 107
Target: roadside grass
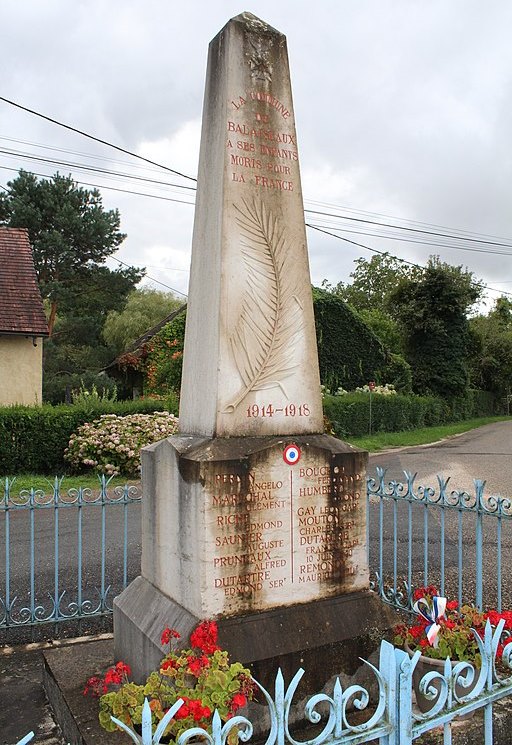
x: 385, y: 440
x: 45, y: 483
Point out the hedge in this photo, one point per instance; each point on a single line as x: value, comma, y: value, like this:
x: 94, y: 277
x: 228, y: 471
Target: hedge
x: 350, y: 414
x: 33, y: 439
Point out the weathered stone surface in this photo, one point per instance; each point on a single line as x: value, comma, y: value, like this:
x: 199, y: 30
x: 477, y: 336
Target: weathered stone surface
x: 250, y: 346
x: 235, y: 528
x: 325, y: 638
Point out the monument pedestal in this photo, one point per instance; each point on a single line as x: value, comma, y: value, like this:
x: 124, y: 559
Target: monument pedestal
x: 325, y: 638
x: 264, y: 534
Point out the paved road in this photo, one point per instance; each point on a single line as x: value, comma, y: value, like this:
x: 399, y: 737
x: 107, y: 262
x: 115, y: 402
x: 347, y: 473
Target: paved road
x: 484, y: 453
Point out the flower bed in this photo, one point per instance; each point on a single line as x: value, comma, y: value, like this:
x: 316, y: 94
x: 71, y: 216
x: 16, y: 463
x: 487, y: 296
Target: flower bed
x: 201, y: 676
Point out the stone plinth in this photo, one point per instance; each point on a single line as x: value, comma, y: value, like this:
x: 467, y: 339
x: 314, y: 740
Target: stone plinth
x: 241, y: 527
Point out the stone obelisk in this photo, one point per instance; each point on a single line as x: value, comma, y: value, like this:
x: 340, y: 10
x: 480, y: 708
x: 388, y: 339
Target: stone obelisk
x: 251, y: 515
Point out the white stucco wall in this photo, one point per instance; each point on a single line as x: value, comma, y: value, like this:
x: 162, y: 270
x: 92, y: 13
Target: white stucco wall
x: 21, y: 370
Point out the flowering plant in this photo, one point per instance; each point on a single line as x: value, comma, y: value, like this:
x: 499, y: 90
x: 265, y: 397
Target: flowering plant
x: 448, y: 633
x: 112, y: 444
x: 202, y: 676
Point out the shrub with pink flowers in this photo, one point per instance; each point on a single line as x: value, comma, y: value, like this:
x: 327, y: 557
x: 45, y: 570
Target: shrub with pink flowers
x: 111, y: 445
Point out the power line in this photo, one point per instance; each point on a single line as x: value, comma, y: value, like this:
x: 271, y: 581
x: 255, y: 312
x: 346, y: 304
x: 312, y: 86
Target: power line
x: 93, y: 169
x: 110, y: 188
x: 386, y: 253
x: 417, y: 241
x: 96, y: 139
x: 130, y: 266
x: 462, y: 237
x: 413, y: 230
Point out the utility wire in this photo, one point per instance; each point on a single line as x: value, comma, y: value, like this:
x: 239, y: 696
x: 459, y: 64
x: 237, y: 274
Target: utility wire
x: 130, y: 266
x: 110, y: 188
x: 92, y: 137
x: 413, y: 230
x: 450, y: 236
x: 94, y: 169
x: 386, y: 253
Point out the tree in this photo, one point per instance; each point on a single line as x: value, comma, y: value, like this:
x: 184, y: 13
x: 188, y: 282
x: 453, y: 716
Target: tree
x: 373, y: 282
x: 491, y: 362
x: 432, y: 310
x: 144, y: 308
x: 69, y: 231
x: 77, y: 351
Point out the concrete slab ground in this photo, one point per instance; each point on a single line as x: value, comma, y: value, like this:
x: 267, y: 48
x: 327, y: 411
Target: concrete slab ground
x: 24, y: 706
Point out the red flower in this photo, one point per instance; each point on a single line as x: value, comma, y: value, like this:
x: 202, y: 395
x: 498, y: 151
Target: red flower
x: 184, y: 710
x: 95, y: 686
x: 204, y: 637
x: 452, y: 605
x: 197, y: 664
x: 168, y: 665
x: 112, y: 676
x: 168, y: 634
x: 237, y: 702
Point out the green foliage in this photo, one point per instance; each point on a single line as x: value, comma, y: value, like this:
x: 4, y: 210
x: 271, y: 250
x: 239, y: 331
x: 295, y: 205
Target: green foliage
x: 350, y: 414
x: 35, y: 438
x: 91, y: 398
x: 349, y: 354
x: 398, y: 373
x: 68, y: 228
x: 373, y: 281
x: 59, y: 388
x: 432, y: 310
x: 384, y: 327
x: 202, y: 676
x: 491, y: 347
x: 112, y: 444
x: 164, y: 358
x: 144, y: 308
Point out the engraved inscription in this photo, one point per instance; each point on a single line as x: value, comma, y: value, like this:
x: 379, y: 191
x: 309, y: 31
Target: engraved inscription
x: 271, y: 318
x: 302, y: 526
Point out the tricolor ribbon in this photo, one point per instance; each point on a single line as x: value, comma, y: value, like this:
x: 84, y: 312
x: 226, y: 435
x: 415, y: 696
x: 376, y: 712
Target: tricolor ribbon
x: 431, y: 615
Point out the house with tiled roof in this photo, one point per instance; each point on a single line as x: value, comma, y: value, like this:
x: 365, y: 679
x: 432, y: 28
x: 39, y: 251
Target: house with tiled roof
x: 22, y: 321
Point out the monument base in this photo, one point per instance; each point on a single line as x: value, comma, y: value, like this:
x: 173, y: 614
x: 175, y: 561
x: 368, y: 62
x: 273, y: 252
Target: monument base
x: 324, y: 637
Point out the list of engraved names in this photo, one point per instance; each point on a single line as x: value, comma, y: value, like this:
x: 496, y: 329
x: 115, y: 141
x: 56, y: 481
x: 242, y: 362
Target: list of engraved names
x: 300, y: 527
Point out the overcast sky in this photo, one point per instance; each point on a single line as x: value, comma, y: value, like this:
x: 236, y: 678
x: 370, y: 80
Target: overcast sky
x: 403, y: 111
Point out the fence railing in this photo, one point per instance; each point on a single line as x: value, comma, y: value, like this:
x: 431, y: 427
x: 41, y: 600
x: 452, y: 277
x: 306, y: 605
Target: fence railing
x: 356, y: 714
x: 66, y: 552
x: 423, y: 535
x: 69, y: 553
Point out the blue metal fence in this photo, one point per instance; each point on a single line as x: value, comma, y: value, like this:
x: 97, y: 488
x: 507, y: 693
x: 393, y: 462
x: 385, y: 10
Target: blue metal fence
x: 423, y: 535
x: 66, y: 552
x: 355, y: 715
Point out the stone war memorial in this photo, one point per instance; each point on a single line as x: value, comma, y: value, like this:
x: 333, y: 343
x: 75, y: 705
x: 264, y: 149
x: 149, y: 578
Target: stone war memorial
x: 251, y: 515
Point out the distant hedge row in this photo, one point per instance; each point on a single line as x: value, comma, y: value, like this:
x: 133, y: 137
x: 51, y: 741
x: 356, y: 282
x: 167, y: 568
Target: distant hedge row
x: 33, y: 439
x: 350, y: 414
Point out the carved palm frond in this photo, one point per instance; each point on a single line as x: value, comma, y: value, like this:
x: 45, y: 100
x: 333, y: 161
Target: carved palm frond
x: 270, y: 320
